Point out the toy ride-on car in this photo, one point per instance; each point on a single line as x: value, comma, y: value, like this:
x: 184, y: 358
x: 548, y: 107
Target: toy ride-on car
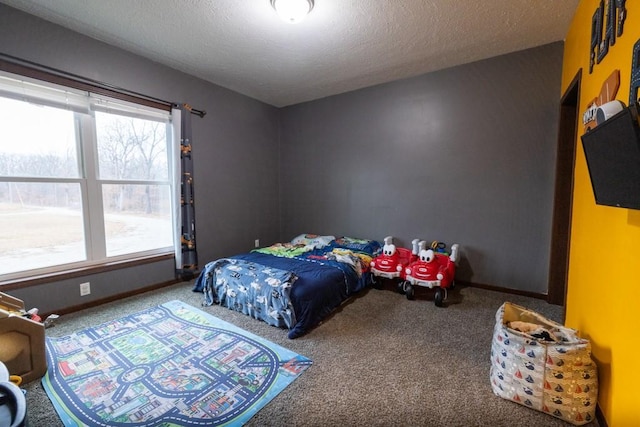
x: 431, y: 270
x: 390, y: 264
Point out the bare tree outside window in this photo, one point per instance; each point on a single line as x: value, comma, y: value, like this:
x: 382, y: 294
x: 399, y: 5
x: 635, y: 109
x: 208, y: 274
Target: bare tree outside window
x: 132, y: 159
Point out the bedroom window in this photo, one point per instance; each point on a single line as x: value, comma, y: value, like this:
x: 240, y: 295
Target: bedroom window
x: 84, y: 179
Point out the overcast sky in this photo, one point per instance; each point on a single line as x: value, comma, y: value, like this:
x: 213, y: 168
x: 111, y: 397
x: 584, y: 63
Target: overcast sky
x: 28, y: 128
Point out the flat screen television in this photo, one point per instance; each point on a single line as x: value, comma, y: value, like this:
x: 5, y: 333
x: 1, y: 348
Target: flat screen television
x: 612, y: 150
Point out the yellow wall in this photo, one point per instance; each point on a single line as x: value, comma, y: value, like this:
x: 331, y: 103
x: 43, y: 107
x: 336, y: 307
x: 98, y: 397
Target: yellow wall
x: 603, y: 299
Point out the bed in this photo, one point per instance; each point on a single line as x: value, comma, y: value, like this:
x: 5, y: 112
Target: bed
x: 292, y: 285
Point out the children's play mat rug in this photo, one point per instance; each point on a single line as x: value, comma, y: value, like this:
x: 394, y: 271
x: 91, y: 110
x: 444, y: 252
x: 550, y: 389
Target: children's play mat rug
x: 171, y: 365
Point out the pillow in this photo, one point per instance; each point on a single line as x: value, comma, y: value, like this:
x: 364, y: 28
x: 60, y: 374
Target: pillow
x: 312, y: 240
x: 364, y: 245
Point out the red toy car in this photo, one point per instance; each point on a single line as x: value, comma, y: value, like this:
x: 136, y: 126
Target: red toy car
x: 393, y: 261
x: 431, y: 270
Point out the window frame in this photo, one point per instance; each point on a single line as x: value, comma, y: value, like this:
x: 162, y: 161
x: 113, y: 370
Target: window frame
x: 100, y: 260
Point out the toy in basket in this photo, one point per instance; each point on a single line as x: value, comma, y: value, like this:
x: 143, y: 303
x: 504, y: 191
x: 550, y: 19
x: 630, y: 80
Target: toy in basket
x: 393, y: 260
x: 433, y: 269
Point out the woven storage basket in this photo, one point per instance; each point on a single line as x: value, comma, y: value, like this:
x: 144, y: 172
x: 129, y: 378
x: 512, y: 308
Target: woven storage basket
x: 557, y: 377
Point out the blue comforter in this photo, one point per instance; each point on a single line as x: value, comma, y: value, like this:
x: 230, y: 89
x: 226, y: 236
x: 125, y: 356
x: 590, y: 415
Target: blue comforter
x: 257, y: 290
x: 304, y: 290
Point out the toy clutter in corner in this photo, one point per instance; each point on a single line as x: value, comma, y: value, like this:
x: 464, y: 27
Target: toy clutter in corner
x: 543, y: 365
x: 22, y: 340
x: 433, y: 267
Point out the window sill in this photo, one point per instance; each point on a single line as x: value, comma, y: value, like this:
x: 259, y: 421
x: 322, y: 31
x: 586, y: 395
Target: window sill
x: 80, y: 272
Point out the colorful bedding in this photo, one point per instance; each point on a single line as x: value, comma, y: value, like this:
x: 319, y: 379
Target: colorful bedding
x: 294, y: 291
x: 253, y: 289
x: 288, y: 250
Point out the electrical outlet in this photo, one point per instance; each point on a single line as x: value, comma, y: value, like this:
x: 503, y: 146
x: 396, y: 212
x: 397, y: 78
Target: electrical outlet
x: 85, y: 288
x: 257, y: 243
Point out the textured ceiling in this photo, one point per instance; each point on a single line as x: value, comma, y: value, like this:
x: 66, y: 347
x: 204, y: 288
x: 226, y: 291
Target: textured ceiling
x: 341, y: 46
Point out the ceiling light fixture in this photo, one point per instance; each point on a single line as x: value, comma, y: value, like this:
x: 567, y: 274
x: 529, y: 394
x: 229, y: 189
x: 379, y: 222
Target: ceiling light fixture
x: 292, y: 11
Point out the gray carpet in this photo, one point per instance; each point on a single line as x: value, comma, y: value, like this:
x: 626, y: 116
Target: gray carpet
x: 379, y: 360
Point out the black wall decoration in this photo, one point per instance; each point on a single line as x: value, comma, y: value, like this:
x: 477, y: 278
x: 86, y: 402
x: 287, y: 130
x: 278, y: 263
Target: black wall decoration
x: 616, y: 14
x: 635, y: 74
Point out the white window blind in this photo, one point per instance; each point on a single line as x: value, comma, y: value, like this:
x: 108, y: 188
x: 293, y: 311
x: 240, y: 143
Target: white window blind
x: 25, y: 89
x: 123, y: 108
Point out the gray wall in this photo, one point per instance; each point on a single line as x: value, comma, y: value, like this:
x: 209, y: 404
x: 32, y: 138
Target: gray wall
x: 235, y: 144
x: 463, y: 155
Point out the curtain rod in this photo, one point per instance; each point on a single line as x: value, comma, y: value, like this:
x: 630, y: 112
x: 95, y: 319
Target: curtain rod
x: 95, y: 83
